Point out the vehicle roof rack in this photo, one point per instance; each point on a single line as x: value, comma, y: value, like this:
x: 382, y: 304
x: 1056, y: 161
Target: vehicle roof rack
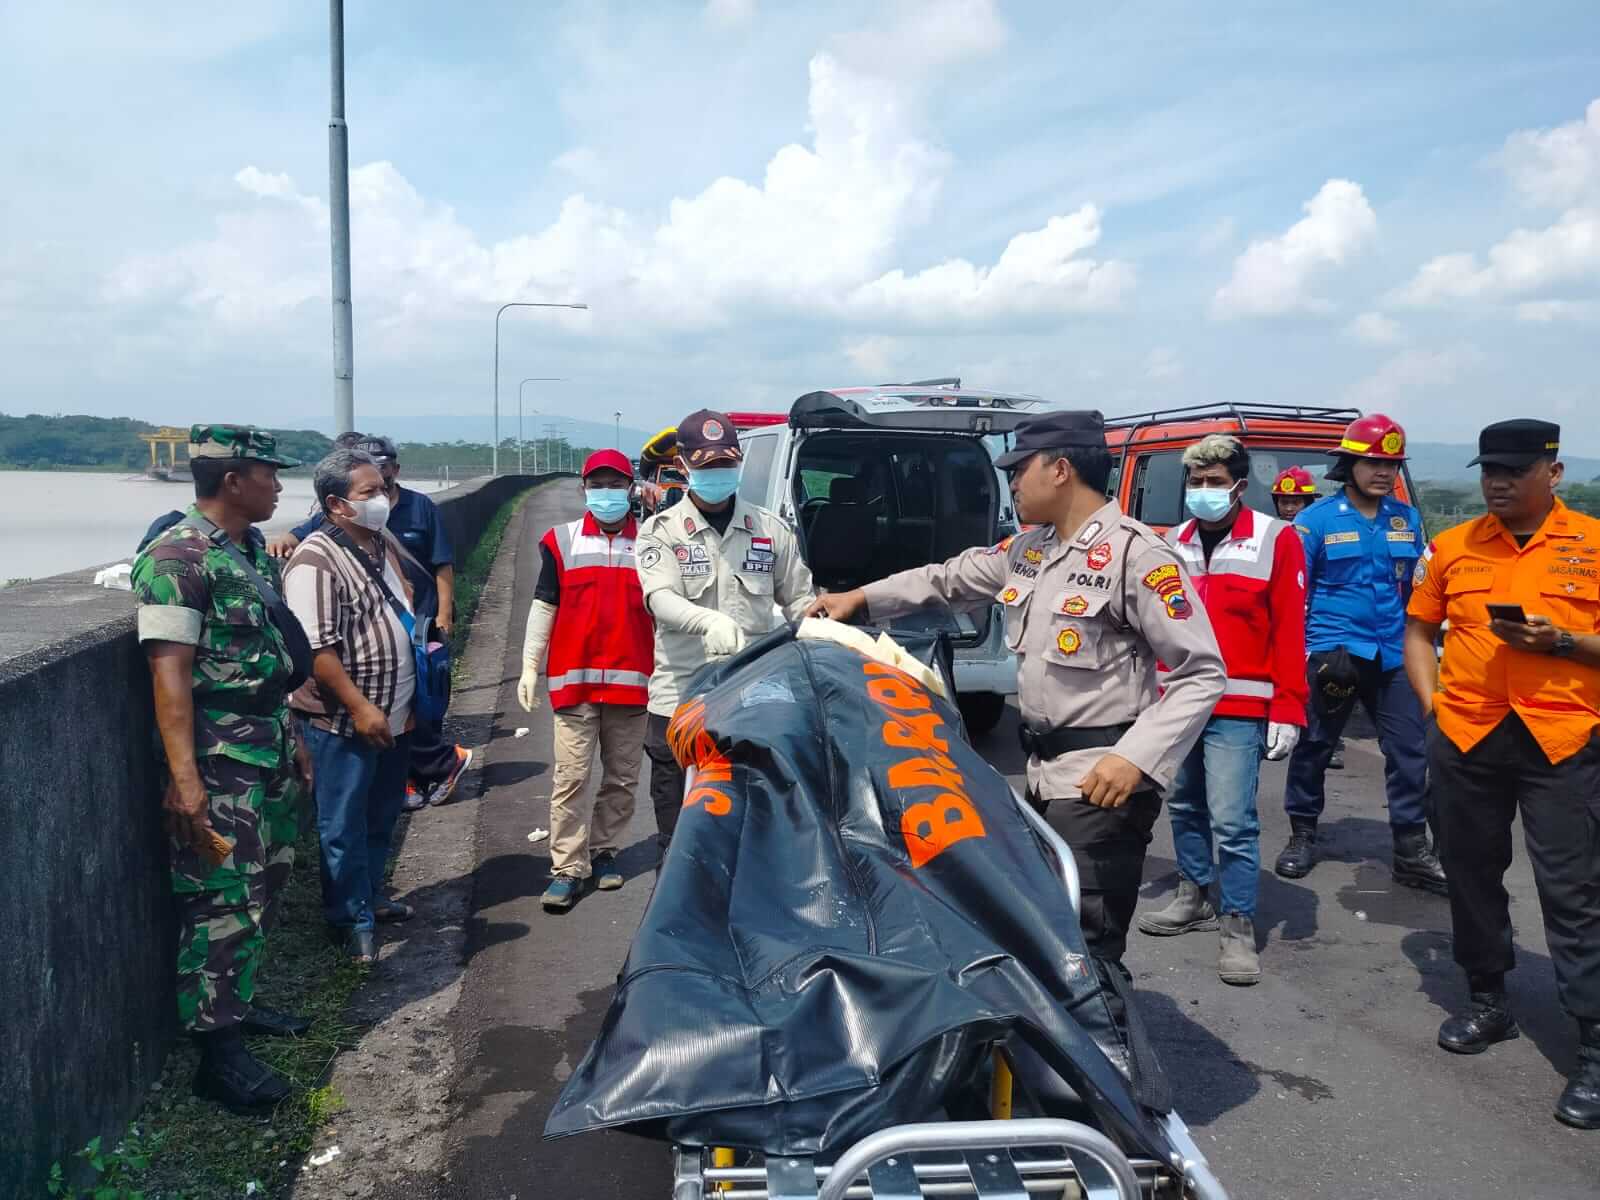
x: 1241, y: 413
x: 947, y: 381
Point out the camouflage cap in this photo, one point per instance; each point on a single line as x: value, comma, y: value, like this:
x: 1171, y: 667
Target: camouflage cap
x: 236, y: 441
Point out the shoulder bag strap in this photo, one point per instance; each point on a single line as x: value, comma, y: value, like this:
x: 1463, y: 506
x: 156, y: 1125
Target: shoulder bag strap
x: 223, y: 542
x: 408, y: 620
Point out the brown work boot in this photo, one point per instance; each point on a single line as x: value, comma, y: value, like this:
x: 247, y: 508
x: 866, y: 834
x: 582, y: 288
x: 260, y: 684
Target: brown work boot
x: 1237, y: 962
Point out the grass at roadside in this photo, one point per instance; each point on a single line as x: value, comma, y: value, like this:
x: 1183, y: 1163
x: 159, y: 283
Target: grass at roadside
x: 181, y: 1147
x: 475, y: 573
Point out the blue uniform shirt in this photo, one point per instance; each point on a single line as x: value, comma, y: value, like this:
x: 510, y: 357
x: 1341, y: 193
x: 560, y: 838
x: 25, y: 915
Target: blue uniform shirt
x: 1358, y: 576
x: 414, y: 519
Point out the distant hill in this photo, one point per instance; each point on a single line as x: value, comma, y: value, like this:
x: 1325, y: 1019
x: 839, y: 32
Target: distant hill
x: 1446, y: 462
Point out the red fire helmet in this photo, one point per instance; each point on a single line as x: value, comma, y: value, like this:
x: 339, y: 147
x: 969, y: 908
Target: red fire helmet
x: 1295, y: 481
x: 1374, y: 436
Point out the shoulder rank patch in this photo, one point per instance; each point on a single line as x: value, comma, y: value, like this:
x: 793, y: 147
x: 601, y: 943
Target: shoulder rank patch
x: 1164, y: 576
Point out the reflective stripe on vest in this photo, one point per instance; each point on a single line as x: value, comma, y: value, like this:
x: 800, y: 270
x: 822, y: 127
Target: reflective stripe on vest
x: 596, y: 675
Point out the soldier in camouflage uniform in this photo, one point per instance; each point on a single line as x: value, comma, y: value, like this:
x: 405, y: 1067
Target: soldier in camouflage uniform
x: 237, y: 771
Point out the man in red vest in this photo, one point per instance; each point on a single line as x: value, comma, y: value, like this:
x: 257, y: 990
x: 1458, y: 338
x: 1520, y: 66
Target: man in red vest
x: 588, y: 612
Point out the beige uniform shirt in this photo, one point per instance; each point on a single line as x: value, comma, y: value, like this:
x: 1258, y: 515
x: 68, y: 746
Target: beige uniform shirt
x: 750, y: 574
x: 1088, y: 621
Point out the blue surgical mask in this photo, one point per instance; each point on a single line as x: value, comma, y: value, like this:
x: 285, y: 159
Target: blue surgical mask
x: 714, y: 484
x: 609, y: 505
x: 1209, y: 504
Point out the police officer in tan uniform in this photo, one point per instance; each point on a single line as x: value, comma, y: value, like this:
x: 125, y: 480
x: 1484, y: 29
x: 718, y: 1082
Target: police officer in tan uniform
x: 715, y: 571
x: 1093, y: 600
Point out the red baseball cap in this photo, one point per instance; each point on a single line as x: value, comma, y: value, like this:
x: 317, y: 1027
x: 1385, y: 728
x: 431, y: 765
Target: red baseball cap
x: 616, y: 460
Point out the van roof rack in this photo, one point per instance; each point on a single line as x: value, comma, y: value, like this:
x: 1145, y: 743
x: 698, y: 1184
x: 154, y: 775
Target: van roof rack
x: 1242, y: 413
x: 947, y: 381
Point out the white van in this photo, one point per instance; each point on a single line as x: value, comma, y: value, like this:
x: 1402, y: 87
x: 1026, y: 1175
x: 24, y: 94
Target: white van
x: 874, y: 480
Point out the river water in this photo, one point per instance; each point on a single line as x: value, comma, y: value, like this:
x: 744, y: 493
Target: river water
x: 56, y: 521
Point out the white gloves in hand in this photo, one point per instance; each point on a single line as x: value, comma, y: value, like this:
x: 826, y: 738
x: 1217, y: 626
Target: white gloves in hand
x: 722, y: 635
x: 528, y: 689
x: 1281, y: 739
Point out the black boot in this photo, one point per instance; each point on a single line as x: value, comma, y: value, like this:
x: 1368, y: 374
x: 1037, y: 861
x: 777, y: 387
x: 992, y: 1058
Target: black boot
x: 1416, y: 865
x: 1579, y: 1105
x: 1300, y: 855
x: 258, y: 1018
x: 1486, y: 1022
x: 235, y: 1078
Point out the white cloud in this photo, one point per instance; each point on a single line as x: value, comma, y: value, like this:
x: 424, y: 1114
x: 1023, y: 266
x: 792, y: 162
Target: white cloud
x: 1545, y: 312
x: 875, y: 355
x: 581, y: 162
x: 1529, y: 260
x: 1411, y: 372
x: 1556, y: 167
x: 1273, y: 274
x: 1163, y: 363
x: 730, y: 14
x: 1375, y: 329
x: 816, y: 235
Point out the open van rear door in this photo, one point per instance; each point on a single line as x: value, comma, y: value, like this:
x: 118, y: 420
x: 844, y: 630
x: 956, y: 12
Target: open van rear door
x: 925, y: 410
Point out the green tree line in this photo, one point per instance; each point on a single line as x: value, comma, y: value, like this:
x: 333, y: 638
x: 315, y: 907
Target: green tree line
x: 67, y: 443
x: 1447, y: 504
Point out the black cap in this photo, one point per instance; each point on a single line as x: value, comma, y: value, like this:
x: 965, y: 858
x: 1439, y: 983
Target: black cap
x: 1055, y: 431
x: 705, y: 436
x: 381, y: 448
x: 1517, y: 443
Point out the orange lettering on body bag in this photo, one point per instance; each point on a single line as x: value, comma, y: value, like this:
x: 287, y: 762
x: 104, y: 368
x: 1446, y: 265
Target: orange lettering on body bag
x: 693, y: 747
x: 930, y: 827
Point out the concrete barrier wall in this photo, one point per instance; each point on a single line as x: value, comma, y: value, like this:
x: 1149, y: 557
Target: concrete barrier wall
x: 86, y: 932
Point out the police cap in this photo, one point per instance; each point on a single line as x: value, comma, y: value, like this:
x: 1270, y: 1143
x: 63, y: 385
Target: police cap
x: 1055, y: 431
x: 1517, y: 443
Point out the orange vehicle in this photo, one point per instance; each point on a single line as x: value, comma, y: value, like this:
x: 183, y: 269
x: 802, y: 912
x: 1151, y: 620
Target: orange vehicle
x: 1147, y: 475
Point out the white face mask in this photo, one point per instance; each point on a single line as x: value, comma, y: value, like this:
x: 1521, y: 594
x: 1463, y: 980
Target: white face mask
x: 372, y: 513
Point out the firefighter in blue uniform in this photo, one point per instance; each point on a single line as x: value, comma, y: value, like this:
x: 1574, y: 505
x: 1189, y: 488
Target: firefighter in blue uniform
x: 1362, y: 546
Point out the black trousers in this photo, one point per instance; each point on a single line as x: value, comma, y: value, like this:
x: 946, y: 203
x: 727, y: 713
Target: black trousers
x: 1109, y: 846
x: 1477, y: 796
x: 432, y: 756
x: 666, y: 779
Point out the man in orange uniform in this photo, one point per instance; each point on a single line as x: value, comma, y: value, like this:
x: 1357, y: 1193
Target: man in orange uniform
x: 1515, y: 707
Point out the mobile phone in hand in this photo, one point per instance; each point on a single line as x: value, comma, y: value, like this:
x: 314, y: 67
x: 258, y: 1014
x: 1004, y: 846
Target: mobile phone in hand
x: 1508, y: 612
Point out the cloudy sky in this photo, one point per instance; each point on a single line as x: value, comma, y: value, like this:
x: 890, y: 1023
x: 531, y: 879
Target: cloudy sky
x: 1119, y: 206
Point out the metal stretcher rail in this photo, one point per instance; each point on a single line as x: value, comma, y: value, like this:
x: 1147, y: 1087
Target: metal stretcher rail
x: 881, y: 1166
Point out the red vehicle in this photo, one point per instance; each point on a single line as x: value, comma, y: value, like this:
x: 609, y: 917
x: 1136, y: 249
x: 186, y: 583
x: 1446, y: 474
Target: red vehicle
x: 1147, y: 476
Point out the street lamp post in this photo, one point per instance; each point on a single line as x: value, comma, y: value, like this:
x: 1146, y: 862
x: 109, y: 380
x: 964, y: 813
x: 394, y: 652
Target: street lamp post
x: 616, y: 435
x: 495, y: 461
x: 344, y: 384
x: 520, y: 386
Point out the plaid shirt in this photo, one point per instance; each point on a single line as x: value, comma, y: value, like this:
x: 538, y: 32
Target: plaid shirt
x: 340, y: 604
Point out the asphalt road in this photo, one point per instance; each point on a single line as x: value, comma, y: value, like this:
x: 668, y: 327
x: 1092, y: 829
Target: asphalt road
x: 1322, y: 1081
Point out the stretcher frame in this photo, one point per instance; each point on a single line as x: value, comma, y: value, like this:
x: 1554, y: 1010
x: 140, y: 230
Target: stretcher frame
x: 963, y: 1158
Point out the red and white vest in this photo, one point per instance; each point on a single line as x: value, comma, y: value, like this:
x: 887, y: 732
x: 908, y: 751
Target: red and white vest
x: 602, y: 647
x: 1254, y: 591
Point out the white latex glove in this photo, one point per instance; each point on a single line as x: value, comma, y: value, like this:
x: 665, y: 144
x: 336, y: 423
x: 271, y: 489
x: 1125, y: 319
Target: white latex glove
x: 722, y: 635
x: 528, y: 690
x: 535, y: 640
x: 1281, y: 739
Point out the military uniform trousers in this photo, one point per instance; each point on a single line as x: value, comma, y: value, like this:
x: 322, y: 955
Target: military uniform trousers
x: 1393, y: 707
x: 223, y: 910
x: 1477, y: 796
x: 580, y: 827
